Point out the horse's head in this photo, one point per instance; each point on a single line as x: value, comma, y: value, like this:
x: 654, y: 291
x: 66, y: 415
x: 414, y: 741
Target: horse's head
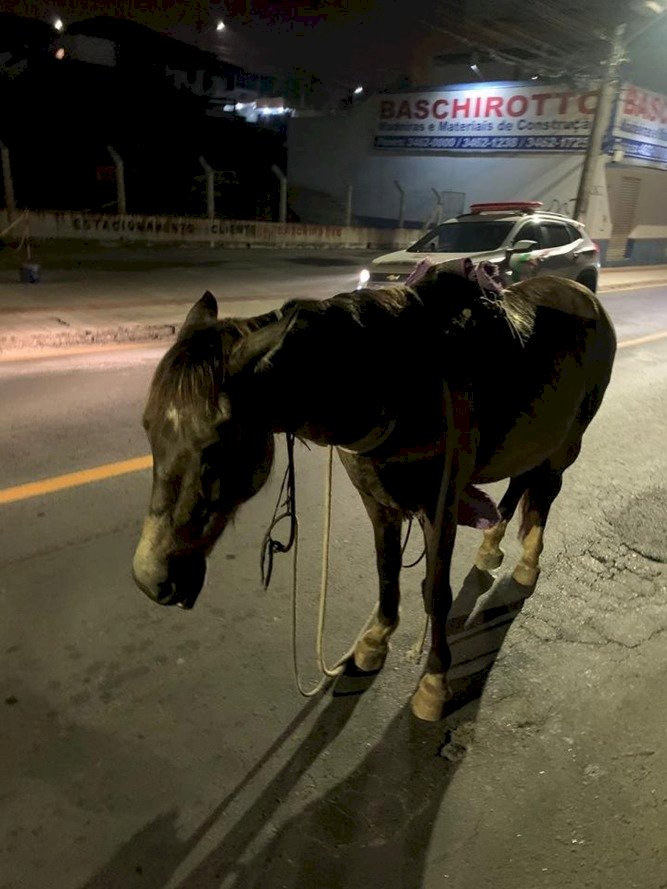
x: 211, y: 448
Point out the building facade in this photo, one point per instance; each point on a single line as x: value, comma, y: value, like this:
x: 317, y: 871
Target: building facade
x: 411, y: 158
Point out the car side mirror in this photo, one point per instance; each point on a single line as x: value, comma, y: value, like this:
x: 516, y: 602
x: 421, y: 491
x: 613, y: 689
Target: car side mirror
x: 522, y: 246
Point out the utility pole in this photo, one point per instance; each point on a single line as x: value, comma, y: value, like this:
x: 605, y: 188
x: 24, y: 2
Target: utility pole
x: 601, y: 120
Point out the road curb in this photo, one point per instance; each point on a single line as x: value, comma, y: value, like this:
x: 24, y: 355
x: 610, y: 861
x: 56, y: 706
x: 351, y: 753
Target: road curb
x: 50, y: 340
x: 637, y: 285
x: 125, y: 333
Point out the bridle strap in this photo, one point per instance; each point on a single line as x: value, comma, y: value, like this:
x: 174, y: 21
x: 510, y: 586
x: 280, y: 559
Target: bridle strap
x: 370, y: 442
x: 285, y: 510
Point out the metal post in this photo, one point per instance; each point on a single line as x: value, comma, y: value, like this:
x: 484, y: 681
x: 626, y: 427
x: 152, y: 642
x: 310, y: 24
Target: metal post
x: 601, y: 120
x: 10, y: 201
x: 120, y: 180
x: 348, y: 205
x: 401, y: 204
x: 210, y: 188
x: 437, y: 209
x: 282, y: 178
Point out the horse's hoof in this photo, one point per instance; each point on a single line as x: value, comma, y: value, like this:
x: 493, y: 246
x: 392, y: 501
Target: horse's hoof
x: 487, y: 561
x: 370, y: 654
x: 428, y: 702
x: 526, y: 575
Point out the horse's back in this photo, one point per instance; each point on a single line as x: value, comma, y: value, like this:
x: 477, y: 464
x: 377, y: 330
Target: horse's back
x: 560, y: 294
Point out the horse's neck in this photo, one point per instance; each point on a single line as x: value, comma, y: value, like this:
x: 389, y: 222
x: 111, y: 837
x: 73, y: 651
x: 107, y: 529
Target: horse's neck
x: 325, y: 386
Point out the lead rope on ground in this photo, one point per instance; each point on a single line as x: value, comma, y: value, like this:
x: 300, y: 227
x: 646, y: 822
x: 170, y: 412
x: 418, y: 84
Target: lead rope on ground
x: 328, y: 672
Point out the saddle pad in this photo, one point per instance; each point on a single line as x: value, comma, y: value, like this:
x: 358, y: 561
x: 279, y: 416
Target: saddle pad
x: 477, y: 509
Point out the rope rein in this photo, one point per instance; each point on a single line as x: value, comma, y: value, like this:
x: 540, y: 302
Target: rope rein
x: 405, y: 546
x: 336, y: 669
x: 285, y: 510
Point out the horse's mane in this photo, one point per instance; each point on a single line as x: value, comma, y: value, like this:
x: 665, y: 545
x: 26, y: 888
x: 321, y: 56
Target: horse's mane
x: 510, y: 307
x: 193, y: 371
x: 519, y: 312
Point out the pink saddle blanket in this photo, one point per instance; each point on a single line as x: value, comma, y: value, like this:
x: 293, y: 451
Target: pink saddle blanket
x: 477, y: 509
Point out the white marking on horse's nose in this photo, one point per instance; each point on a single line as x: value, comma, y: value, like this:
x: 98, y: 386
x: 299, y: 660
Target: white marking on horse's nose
x: 149, y: 563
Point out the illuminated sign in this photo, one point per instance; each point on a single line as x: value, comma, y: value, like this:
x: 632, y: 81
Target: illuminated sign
x: 640, y: 126
x: 486, y: 118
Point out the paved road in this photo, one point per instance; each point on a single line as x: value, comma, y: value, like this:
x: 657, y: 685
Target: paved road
x: 93, y: 293
x: 154, y: 748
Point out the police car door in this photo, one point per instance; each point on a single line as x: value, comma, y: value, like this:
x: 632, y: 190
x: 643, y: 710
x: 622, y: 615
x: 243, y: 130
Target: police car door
x: 556, y: 258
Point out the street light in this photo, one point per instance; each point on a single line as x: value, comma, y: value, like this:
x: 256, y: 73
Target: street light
x: 220, y: 26
x: 58, y: 25
x: 358, y: 91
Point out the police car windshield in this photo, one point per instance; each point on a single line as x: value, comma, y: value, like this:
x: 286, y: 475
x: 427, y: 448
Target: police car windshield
x: 474, y: 236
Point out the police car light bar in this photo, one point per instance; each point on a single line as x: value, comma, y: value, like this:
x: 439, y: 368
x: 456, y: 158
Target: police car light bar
x: 523, y: 206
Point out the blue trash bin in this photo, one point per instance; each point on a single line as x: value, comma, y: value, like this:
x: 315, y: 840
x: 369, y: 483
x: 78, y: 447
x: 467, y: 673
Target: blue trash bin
x: 30, y: 273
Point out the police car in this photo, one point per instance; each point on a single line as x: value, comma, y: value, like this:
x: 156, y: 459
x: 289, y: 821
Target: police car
x: 520, y: 237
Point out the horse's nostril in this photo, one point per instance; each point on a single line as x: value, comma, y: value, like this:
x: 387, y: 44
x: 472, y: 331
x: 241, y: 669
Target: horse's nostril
x: 177, y: 582
x: 187, y: 575
x: 161, y: 592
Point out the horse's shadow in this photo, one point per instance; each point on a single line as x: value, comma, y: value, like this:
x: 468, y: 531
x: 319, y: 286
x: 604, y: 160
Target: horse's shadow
x: 376, y: 822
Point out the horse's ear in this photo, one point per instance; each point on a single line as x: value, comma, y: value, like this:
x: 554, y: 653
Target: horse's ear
x: 204, y: 312
x: 256, y: 349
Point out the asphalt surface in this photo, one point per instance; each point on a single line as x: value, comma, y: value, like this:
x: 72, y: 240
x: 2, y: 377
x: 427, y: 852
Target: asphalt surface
x: 113, y: 293
x: 149, y: 747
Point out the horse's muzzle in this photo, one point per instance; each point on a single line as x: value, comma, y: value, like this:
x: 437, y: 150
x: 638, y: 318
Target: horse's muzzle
x: 179, y: 585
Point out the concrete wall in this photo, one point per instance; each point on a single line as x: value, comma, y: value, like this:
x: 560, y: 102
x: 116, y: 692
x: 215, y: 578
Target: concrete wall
x: 326, y: 154
x: 159, y: 229
x: 647, y: 238
x: 323, y: 159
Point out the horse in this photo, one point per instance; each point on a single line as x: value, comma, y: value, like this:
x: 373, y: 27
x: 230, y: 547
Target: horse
x: 425, y: 390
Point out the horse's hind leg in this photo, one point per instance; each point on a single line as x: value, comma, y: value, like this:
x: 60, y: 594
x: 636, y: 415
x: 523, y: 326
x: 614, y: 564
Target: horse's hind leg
x: 543, y: 488
x: 371, y: 650
x: 489, y: 554
x: 433, y: 691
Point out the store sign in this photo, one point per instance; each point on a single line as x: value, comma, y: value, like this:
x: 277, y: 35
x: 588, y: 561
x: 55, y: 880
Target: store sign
x: 488, y: 117
x: 640, y: 126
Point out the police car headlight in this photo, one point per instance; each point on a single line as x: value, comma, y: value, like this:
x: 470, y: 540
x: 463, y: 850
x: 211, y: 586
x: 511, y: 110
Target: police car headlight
x: 364, y: 278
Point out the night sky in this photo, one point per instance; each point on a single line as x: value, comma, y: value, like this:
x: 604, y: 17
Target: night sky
x: 346, y: 42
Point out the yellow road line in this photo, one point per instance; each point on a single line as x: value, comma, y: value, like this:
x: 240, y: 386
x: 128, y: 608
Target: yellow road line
x: 649, y: 338
x: 109, y: 470
x: 74, y: 479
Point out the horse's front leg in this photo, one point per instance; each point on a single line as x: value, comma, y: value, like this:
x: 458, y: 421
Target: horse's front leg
x: 371, y: 650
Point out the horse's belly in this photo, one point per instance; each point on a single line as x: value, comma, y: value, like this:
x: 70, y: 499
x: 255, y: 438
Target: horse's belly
x: 538, y: 433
